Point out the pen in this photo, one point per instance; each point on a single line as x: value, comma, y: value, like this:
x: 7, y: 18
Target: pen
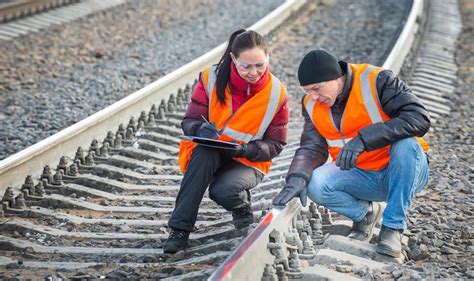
x: 212, y: 125
x: 205, y: 120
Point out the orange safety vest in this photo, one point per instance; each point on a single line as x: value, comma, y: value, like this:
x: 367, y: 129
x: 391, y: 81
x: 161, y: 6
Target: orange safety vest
x: 362, y: 109
x: 248, y: 123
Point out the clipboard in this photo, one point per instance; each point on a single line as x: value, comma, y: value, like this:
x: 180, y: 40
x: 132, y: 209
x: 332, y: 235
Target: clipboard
x: 213, y: 143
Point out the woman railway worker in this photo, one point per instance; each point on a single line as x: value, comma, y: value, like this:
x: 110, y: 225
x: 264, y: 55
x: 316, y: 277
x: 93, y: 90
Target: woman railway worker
x: 244, y: 103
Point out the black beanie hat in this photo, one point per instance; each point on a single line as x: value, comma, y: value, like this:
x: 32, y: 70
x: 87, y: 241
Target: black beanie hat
x: 318, y: 66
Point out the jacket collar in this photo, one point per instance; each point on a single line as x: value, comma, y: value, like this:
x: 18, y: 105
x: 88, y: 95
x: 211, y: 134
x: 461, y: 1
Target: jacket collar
x: 346, y: 69
x: 239, y: 85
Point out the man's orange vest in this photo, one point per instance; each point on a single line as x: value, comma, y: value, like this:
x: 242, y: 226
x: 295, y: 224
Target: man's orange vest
x: 248, y: 123
x: 362, y: 109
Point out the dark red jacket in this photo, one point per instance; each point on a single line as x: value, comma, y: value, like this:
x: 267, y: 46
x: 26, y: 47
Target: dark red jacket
x: 276, y: 136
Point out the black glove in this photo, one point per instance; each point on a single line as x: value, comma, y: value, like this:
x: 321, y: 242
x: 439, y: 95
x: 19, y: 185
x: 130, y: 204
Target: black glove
x: 207, y: 130
x: 349, y: 153
x: 240, y: 151
x: 295, y: 186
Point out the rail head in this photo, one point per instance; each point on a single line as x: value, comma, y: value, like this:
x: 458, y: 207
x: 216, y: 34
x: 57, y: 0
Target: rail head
x: 64, y: 143
x: 15, y: 9
x: 401, y: 48
x: 253, y: 248
x: 247, y: 252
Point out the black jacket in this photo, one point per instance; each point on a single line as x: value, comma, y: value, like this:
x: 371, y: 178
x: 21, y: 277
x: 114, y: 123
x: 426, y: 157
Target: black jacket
x: 408, y: 118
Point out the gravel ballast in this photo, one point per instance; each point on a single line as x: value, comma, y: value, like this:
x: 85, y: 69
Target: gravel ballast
x: 441, y: 219
x: 55, y: 78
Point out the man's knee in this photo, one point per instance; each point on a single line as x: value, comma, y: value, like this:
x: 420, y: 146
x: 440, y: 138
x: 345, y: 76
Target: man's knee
x: 405, y: 147
x: 320, y: 188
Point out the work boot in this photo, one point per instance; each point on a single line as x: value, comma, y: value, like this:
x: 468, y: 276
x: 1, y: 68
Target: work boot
x: 178, y: 240
x: 242, y: 217
x: 364, y: 229
x: 390, y: 242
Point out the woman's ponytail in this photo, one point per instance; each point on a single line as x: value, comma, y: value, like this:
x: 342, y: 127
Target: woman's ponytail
x: 223, y: 68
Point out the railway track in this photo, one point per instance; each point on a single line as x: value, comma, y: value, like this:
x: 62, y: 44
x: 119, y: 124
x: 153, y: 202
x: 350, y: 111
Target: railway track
x: 14, y: 9
x: 103, y: 210
x: 22, y: 17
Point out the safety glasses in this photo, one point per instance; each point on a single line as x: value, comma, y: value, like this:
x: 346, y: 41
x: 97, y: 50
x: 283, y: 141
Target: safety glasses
x: 243, y: 66
x: 314, y: 89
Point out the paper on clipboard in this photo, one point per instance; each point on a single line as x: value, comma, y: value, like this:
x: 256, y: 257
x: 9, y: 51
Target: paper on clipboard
x: 213, y: 143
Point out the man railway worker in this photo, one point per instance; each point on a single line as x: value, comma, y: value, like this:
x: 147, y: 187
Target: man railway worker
x: 371, y: 125
x: 237, y: 100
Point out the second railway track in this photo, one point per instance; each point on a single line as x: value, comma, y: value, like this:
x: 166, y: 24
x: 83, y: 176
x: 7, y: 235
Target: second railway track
x: 21, y: 17
x: 19, y: 8
x: 103, y: 210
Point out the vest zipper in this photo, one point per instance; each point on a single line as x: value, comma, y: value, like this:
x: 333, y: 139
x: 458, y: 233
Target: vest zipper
x: 340, y: 126
x: 248, y: 89
x: 340, y: 130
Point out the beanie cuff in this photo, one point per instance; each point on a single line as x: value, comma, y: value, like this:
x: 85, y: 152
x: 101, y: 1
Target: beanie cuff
x: 318, y: 66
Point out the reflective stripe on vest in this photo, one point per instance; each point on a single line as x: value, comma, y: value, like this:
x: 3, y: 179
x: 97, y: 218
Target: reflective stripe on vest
x: 211, y: 80
x: 338, y: 143
x: 309, y: 105
x: 369, y: 102
x: 238, y: 135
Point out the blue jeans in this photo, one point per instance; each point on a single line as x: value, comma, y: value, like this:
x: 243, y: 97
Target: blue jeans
x: 349, y: 192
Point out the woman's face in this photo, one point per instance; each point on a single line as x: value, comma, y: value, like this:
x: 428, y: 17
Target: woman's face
x: 251, y: 64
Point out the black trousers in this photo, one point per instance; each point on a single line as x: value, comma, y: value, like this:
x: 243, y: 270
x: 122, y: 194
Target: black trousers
x: 229, y: 185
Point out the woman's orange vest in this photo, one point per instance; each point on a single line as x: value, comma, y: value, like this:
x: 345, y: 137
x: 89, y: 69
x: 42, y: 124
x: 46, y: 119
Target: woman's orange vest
x: 248, y: 123
x: 362, y: 109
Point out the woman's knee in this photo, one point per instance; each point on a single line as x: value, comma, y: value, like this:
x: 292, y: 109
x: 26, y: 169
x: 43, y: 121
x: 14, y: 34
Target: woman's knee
x: 205, y: 153
x: 229, y: 198
x: 217, y: 196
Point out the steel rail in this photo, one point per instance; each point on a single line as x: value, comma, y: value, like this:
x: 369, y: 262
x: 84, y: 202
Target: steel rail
x: 401, y: 48
x: 248, y: 259
x: 9, y: 11
x: 31, y: 160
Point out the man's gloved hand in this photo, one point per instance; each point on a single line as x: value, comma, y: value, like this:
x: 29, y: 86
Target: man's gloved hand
x: 207, y: 130
x: 349, y: 153
x: 295, y: 186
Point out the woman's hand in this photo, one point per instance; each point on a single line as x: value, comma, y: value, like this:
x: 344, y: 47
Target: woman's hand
x: 207, y: 130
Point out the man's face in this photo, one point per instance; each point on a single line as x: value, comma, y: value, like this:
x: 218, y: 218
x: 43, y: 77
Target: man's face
x: 323, y: 92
